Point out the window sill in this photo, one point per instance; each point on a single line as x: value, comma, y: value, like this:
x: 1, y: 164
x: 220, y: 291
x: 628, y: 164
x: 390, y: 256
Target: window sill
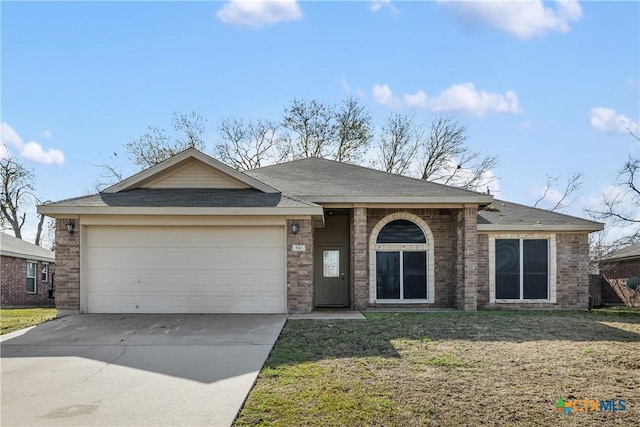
x: 30, y: 293
x: 522, y: 301
x: 402, y: 301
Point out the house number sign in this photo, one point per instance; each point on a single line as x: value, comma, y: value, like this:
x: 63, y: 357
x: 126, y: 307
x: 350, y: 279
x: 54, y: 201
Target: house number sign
x: 298, y: 248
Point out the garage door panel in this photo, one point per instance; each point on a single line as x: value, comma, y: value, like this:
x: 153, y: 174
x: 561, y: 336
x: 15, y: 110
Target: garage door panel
x: 185, y: 270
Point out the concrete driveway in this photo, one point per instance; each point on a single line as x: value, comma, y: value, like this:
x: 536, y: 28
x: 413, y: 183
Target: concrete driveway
x: 134, y: 370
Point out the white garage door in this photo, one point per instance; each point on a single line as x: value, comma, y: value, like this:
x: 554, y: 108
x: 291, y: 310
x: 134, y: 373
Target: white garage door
x: 184, y: 270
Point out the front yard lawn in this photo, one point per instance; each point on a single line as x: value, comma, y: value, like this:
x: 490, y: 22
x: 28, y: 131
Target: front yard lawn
x: 18, y: 318
x: 414, y: 369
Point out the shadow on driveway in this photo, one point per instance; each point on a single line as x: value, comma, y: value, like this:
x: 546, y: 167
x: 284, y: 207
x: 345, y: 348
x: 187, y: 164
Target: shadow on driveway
x: 134, y: 369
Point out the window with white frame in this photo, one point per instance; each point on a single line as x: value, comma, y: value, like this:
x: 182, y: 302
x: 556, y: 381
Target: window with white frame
x: 522, y: 269
x: 32, y: 267
x: 44, y: 272
x: 401, y: 262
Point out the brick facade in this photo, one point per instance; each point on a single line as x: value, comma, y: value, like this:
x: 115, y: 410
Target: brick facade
x: 359, y: 258
x: 470, y: 259
x: 13, y: 284
x: 300, y: 268
x: 573, y: 271
x: 67, y: 267
x: 460, y: 257
x: 620, y: 269
x: 572, y: 275
x: 443, y: 225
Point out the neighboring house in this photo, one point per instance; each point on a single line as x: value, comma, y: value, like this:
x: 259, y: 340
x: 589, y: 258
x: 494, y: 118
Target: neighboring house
x: 26, y: 273
x: 622, y: 263
x: 192, y: 235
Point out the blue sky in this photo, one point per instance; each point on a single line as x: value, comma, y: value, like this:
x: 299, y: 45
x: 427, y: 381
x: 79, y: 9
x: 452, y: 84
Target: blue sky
x: 549, y: 87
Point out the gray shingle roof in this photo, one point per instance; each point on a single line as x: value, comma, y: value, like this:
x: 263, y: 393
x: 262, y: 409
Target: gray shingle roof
x: 13, y: 247
x: 314, y: 176
x: 186, y: 197
x: 502, y: 213
x: 630, y: 252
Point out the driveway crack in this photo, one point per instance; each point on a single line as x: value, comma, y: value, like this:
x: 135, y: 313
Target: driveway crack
x: 124, y: 350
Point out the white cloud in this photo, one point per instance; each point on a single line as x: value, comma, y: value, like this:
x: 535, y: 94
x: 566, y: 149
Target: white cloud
x: 524, y: 19
x: 382, y: 95
x: 259, y: 13
x: 46, y: 134
x: 607, y: 120
x: 376, y: 5
x: 465, y: 98
x: 9, y: 137
x: 346, y: 87
x: 31, y: 150
x: 461, y: 97
x: 4, y: 152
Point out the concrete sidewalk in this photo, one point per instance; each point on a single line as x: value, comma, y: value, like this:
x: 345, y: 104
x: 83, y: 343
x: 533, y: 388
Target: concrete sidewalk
x: 134, y: 370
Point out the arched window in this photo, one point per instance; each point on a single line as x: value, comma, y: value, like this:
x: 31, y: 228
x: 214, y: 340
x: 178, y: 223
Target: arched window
x: 401, y: 262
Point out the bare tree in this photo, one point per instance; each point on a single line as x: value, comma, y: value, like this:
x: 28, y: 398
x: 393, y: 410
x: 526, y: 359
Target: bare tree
x: 353, y: 130
x: 17, y: 189
x: 448, y: 160
x: 157, y: 145
x: 398, y: 142
x: 310, y: 129
x: 564, y: 194
x: 315, y: 129
x: 621, y: 205
x: 245, y: 145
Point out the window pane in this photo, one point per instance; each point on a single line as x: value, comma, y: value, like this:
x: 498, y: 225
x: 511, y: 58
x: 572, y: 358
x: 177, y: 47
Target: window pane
x: 331, y: 263
x: 507, y: 268
x: 31, y: 269
x: 415, y: 275
x: 401, y: 231
x: 388, y: 275
x: 535, y: 260
x: 535, y: 286
x: 31, y: 284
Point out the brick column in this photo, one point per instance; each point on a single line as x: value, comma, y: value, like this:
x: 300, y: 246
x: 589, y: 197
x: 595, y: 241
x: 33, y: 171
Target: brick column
x: 300, y: 267
x: 470, y: 258
x: 359, y: 252
x: 67, y: 280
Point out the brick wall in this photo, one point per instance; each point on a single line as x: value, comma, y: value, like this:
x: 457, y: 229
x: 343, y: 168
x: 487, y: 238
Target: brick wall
x: 573, y: 271
x: 470, y: 259
x: 300, y: 268
x: 572, y: 275
x: 443, y: 225
x: 359, y: 258
x: 483, y: 270
x: 13, y: 284
x: 620, y: 269
x: 67, y: 267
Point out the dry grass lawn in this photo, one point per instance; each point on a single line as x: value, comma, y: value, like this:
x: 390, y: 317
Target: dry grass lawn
x: 485, y: 368
x: 18, y: 318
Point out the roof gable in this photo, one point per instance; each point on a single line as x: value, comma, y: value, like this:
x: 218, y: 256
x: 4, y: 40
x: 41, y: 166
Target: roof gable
x: 190, y: 169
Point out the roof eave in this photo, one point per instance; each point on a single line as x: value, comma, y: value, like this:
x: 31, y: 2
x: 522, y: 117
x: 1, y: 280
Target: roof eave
x: 393, y: 199
x: 541, y: 227
x: 27, y: 256
x: 60, y: 211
